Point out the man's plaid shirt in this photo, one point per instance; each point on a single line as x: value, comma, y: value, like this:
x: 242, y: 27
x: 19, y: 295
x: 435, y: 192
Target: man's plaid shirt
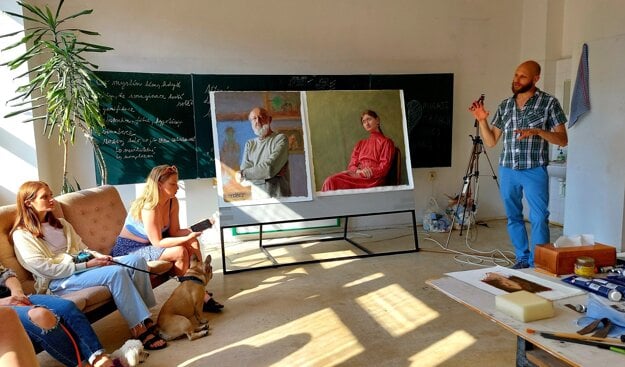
x: 541, y: 111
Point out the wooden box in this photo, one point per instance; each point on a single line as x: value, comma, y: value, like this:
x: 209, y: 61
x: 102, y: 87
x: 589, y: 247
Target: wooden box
x: 561, y: 260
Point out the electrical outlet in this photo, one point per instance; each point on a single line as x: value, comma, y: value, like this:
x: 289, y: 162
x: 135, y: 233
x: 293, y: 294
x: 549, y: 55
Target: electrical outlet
x: 432, y: 176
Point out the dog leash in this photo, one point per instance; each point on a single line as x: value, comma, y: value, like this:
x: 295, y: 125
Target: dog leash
x: 133, y: 268
x: 71, y: 338
x: 178, y: 278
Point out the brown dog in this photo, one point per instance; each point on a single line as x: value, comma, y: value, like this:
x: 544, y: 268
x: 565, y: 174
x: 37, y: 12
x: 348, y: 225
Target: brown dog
x: 185, y: 303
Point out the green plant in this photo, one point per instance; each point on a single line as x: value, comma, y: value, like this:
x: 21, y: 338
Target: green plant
x: 61, y: 81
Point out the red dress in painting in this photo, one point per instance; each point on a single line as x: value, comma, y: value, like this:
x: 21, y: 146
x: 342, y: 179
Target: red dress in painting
x: 375, y: 152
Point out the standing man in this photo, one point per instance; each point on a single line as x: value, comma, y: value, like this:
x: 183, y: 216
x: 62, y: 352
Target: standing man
x: 266, y: 158
x: 528, y: 121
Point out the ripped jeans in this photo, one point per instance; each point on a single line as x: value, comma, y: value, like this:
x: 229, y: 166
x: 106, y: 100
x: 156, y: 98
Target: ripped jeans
x: 55, y: 341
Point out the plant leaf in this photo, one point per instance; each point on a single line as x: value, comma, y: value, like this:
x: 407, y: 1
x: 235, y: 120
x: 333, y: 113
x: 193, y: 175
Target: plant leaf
x: 89, y: 11
x: 14, y: 113
x: 23, y: 17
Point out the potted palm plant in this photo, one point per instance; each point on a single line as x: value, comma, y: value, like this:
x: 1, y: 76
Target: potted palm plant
x: 61, y: 80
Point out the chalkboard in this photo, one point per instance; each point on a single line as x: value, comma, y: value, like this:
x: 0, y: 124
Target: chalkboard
x: 149, y: 121
x: 166, y: 119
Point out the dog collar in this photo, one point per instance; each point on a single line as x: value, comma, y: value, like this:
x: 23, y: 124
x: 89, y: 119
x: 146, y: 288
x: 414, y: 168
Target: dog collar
x: 191, y: 278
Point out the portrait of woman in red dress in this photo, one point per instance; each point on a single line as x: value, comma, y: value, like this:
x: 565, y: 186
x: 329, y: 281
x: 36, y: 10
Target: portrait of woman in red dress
x: 370, y: 162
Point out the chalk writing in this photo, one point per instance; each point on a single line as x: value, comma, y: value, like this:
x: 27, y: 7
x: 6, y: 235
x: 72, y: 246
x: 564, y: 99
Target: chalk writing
x: 148, y: 122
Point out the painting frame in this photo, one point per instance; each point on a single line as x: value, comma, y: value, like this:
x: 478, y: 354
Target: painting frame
x: 230, y: 111
x: 335, y: 129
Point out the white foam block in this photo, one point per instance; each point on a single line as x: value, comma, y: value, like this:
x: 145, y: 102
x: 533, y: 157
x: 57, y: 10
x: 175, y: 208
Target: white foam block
x: 524, y: 306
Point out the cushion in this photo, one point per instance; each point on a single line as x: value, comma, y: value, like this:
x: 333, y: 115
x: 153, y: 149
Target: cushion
x: 89, y: 298
x: 97, y: 215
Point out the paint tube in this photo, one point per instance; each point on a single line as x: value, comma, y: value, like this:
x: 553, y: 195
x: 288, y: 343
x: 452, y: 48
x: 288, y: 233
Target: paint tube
x: 612, y: 285
x: 598, y: 286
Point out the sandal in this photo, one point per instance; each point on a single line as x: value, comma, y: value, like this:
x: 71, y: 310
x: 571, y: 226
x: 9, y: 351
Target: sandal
x: 149, y: 324
x: 149, y: 343
x: 212, y: 306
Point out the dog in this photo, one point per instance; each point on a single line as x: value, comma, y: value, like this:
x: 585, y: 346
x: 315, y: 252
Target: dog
x: 130, y: 354
x: 184, y: 305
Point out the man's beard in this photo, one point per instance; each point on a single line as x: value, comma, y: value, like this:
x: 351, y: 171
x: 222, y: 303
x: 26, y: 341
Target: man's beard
x: 261, y: 131
x: 522, y: 89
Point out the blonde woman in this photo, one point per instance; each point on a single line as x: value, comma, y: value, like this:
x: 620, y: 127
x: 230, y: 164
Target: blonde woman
x: 152, y: 227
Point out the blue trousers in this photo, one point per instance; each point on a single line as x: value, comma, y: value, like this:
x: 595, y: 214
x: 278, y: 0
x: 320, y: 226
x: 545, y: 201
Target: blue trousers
x: 55, y: 341
x: 131, y: 289
x: 534, y: 184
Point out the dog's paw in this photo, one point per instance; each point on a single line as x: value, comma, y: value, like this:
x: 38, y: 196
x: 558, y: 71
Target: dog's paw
x: 197, y: 335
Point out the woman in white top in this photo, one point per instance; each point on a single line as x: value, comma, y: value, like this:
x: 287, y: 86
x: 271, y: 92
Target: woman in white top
x: 47, y: 247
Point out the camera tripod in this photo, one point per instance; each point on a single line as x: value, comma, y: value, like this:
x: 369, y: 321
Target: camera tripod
x: 467, y: 198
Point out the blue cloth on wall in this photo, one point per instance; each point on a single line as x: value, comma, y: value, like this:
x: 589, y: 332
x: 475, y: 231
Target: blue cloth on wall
x: 580, y: 102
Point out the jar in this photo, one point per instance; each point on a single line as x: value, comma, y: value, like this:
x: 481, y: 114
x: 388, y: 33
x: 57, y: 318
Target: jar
x: 585, y: 266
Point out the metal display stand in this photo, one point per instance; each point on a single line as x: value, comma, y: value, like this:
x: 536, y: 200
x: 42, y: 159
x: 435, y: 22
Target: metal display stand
x: 344, y: 237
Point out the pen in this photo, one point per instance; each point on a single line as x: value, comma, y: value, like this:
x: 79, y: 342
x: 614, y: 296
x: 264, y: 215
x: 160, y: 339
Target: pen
x: 617, y: 350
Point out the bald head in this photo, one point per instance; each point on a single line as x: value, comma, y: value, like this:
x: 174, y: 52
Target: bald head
x: 525, y: 78
x: 260, y: 120
x: 532, y: 67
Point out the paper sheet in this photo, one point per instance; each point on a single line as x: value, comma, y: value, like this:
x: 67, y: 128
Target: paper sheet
x: 558, y: 290
x: 576, y: 240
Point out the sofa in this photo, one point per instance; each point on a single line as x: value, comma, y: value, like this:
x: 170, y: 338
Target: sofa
x: 98, y: 216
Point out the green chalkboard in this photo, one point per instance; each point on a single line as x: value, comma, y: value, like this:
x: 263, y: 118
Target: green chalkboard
x: 149, y: 121
x: 166, y: 118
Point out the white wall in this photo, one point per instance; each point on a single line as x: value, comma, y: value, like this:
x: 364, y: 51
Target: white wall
x: 595, y: 172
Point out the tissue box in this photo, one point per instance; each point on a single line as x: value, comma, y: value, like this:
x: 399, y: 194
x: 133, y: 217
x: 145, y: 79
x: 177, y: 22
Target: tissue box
x: 561, y: 260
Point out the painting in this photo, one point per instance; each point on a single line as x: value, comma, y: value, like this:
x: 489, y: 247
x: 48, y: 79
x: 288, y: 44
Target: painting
x: 338, y: 136
x: 295, y: 138
x: 283, y: 105
x: 249, y: 171
x: 499, y: 280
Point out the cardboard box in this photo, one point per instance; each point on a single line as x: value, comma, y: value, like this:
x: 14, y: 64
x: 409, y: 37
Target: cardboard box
x: 561, y: 260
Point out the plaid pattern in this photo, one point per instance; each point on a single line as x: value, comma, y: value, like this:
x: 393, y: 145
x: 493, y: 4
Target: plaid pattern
x: 541, y: 111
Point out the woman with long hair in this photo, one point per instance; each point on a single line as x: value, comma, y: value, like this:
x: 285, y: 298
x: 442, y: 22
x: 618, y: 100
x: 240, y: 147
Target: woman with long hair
x: 370, y: 161
x: 48, y: 246
x: 152, y: 227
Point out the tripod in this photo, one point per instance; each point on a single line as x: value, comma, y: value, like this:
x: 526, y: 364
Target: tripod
x: 469, y: 192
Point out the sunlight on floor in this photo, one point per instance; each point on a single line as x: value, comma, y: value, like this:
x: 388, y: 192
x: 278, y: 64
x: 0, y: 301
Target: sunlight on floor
x: 329, y: 341
x: 443, y: 349
x: 336, y: 264
x: 270, y: 282
x: 364, y: 280
x: 396, y: 310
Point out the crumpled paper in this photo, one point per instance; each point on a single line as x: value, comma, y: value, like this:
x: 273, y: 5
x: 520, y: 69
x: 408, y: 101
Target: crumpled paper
x: 575, y: 240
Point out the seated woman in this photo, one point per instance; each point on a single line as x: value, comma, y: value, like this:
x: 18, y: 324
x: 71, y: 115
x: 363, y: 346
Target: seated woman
x: 46, y: 246
x: 152, y: 228
x: 41, y: 317
x: 370, y: 162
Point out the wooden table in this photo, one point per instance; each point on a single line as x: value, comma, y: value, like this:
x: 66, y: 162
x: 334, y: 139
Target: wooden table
x: 548, y: 352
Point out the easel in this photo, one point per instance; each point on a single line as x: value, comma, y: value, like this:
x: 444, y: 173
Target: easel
x: 264, y: 247
x: 469, y: 192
